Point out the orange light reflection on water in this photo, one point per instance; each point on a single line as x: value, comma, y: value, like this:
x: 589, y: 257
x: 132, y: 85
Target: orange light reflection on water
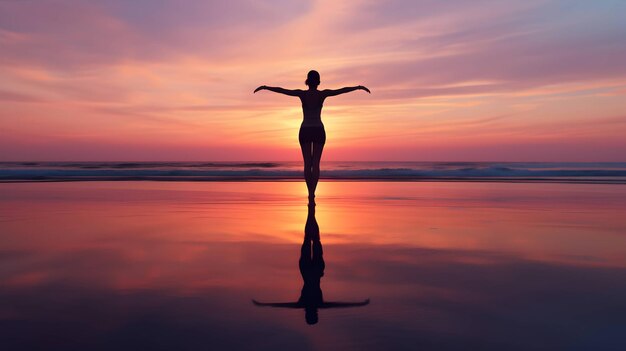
x: 193, y: 235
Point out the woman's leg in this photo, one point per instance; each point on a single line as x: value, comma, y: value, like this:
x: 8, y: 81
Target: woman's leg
x: 315, y: 165
x: 307, y: 155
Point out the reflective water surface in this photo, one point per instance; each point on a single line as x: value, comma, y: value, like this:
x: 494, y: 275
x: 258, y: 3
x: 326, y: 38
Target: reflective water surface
x: 446, y: 266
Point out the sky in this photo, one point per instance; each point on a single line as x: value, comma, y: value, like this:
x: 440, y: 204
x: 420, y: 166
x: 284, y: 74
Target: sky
x: 480, y: 80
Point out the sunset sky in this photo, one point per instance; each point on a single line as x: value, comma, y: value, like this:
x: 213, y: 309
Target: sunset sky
x: 479, y: 80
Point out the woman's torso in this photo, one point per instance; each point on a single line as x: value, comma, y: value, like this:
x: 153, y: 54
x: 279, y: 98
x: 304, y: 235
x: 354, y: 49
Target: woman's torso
x: 312, y: 102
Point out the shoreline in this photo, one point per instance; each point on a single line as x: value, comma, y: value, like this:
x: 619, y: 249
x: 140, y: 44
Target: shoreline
x: 322, y: 179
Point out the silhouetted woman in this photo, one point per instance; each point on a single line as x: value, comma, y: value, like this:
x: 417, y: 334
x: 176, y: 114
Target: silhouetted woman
x: 312, y: 135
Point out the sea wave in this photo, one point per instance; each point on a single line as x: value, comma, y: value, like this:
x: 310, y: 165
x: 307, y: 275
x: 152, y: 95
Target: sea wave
x: 384, y: 171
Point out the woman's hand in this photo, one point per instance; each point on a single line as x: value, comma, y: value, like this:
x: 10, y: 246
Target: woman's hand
x: 260, y: 88
x: 364, y: 88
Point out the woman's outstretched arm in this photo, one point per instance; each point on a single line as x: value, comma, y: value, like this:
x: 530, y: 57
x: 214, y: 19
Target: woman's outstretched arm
x: 295, y: 92
x: 279, y: 304
x: 331, y: 92
x: 344, y: 304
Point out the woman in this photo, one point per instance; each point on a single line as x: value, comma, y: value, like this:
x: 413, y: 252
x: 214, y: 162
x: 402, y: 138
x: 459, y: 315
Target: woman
x: 312, y: 135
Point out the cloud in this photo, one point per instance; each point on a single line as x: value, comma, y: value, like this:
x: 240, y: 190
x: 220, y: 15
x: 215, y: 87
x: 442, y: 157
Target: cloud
x: 74, y: 34
x: 515, y: 51
x: 17, y: 97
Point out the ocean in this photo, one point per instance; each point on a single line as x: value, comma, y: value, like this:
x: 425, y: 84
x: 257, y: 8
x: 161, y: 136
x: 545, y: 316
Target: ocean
x: 585, y: 172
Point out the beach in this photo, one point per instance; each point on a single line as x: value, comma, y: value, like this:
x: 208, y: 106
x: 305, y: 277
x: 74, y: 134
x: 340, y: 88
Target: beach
x: 445, y: 265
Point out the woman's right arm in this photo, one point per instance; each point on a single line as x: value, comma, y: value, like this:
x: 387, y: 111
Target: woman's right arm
x: 295, y: 92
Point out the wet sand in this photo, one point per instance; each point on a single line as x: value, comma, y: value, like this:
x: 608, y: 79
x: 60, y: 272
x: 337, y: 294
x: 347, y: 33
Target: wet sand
x: 174, y: 265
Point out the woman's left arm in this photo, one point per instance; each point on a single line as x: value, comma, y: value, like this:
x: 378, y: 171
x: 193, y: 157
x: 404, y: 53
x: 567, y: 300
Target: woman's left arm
x: 334, y: 92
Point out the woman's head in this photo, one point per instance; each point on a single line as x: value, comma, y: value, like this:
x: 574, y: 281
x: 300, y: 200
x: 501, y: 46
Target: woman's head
x: 310, y: 315
x: 312, y: 79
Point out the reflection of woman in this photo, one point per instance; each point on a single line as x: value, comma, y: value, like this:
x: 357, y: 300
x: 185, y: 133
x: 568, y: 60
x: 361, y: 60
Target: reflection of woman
x: 312, y: 270
x: 312, y: 135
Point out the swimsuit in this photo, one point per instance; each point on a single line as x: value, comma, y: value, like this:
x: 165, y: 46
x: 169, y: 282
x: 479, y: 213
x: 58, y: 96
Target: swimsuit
x: 312, y: 129
x: 312, y: 134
